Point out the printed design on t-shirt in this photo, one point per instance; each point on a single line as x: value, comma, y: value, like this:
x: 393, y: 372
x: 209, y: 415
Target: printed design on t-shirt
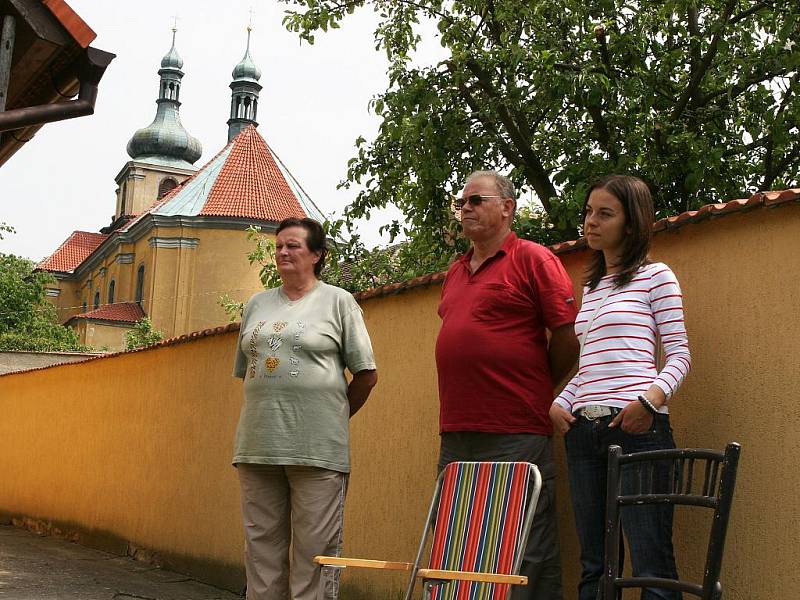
x: 294, y: 361
x: 279, y: 326
x: 271, y: 363
x: 253, y: 349
x: 274, y: 342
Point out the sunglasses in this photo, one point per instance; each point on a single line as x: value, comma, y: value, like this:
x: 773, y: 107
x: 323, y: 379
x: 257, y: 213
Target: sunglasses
x: 473, y: 199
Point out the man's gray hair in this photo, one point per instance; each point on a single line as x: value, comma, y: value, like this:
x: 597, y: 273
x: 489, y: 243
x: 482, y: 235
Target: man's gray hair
x: 503, y: 184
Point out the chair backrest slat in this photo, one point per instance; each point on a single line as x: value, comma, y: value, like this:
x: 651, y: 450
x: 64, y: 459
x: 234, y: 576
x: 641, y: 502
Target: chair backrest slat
x: 479, y: 525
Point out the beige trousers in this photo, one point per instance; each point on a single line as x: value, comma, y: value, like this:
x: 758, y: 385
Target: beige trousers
x: 291, y: 505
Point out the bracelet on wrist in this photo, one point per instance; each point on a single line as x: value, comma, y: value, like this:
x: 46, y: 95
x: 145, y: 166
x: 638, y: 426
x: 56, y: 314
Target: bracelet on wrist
x: 651, y: 408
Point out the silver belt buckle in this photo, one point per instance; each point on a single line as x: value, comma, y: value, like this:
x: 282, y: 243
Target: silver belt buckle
x: 595, y: 412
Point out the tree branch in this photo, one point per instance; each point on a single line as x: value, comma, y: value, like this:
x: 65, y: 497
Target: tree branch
x: 791, y: 156
x: 524, y: 158
x: 699, y: 72
x: 742, y: 86
x: 492, y: 23
x: 694, y: 32
x: 603, y: 135
x: 759, y: 143
x: 600, y: 37
x: 753, y: 9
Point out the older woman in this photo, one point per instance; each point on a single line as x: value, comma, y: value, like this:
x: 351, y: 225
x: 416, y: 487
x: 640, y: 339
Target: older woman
x: 292, y: 443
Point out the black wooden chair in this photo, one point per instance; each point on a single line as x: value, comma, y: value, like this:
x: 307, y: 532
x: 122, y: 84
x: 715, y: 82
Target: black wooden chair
x: 704, y: 478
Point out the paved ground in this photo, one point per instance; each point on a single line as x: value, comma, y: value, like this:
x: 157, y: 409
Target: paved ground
x: 33, y: 567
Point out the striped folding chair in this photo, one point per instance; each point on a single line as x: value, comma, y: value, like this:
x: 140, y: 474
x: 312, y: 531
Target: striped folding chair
x: 480, y: 517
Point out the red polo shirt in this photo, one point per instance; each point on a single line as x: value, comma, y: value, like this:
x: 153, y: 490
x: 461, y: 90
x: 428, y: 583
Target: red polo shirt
x: 491, y: 353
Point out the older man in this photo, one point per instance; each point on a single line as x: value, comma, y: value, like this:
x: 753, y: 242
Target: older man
x: 496, y: 366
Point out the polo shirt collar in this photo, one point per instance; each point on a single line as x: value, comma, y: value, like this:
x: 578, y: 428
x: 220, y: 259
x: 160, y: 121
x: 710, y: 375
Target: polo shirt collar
x: 508, y: 244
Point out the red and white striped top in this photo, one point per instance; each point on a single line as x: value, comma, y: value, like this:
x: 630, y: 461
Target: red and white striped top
x: 618, y: 361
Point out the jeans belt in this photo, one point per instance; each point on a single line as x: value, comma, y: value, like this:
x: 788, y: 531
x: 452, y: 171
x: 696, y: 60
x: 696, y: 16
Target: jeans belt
x: 595, y: 411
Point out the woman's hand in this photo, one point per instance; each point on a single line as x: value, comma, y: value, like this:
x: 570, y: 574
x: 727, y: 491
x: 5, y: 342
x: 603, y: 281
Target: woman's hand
x: 561, y: 418
x: 635, y: 418
x: 360, y: 387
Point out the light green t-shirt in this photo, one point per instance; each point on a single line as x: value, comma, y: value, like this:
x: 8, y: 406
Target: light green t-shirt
x: 292, y: 356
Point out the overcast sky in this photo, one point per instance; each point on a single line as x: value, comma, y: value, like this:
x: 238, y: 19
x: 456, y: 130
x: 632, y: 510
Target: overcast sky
x: 311, y: 110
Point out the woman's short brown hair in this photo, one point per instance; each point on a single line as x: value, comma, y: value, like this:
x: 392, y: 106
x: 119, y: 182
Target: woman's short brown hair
x: 637, y: 202
x: 315, y: 238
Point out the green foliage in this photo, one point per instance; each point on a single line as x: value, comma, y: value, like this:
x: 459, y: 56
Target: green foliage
x: 142, y: 334
x: 354, y: 267
x: 698, y: 98
x: 232, y: 307
x: 27, y: 320
x: 263, y: 254
x: 533, y: 223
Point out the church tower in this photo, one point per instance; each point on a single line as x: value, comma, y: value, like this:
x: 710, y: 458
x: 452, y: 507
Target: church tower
x: 163, y: 152
x: 244, y: 93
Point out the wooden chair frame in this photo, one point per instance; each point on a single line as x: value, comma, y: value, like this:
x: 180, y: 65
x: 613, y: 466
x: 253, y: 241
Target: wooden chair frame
x: 715, y: 492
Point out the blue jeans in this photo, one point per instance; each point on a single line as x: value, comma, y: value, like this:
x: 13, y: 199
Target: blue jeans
x: 648, y: 529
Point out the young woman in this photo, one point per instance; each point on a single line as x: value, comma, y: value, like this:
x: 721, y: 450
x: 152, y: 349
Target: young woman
x: 619, y: 396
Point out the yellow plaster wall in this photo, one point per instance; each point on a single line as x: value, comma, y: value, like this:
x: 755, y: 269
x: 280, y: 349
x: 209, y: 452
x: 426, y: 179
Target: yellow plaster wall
x: 135, y: 447
x: 140, y: 185
x: 222, y: 267
x: 68, y: 302
x: 147, y: 461
x: 75, y: 291
x: 182, y: 286
x: 101, y: 335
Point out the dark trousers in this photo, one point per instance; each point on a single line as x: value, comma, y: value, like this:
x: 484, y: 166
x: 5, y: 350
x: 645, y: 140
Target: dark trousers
x: 542, y: 562
x: 648, y: 529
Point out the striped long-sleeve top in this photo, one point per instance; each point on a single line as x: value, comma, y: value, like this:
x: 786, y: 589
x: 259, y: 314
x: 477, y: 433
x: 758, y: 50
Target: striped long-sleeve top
x: 618, y: 360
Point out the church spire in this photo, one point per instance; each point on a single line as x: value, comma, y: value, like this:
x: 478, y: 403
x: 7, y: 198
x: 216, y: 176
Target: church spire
x: 165, y: 141
x: 244, y: 93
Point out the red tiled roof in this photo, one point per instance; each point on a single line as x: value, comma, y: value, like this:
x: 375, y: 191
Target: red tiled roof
x: 757, y: 200
x: 71, y: 21
x: 72, y: 252
x: 251, y: 184
x: 124, y: 312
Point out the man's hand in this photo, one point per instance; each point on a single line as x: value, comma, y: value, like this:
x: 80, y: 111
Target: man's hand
x: 562, y: 419
x: 635, y: 418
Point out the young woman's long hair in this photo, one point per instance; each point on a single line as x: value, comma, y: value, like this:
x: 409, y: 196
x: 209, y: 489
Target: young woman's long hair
x: 637, y: 202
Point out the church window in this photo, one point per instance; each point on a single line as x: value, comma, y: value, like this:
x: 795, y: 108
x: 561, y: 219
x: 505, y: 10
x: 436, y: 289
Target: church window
x: 111, y: 290
x: 96, y: 303
x: 140, y: 285
x: 83, y: 307
x: 122, y: 193
x: 167, y: 184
